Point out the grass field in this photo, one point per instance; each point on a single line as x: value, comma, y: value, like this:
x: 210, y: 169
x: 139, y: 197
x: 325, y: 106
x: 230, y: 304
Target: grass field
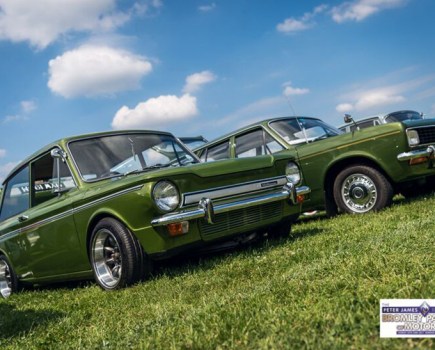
x: 318, y: 289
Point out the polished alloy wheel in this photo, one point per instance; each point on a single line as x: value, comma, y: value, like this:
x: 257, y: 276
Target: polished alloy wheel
x: 359, y: 193
x: 5, y: 280
x: 107, y: 261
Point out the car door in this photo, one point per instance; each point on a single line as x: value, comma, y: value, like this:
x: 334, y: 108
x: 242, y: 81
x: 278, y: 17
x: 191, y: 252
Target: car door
x: 48, y: 229
x: 15, y: 202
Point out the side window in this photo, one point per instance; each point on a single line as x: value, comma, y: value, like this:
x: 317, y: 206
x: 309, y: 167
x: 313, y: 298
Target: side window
x: 272, y: 146
x: 365, y: 124
x: 220, y: 151
x: 250, y: 144
x: 16, y: 195
x: 256, y: 143
x: 45, y: 179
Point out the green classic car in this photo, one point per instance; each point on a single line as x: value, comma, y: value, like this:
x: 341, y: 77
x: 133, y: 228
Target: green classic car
x: 355, y: 172
x: 108, y: 204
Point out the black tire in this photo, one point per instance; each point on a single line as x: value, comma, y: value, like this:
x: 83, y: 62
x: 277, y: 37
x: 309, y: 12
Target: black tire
x: 8, y: 278
x: 360, y: 189
x: 117, y: 258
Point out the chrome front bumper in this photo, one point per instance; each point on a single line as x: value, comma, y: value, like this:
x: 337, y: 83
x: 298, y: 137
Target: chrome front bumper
x: 207, y: 210
x: 428, y: 152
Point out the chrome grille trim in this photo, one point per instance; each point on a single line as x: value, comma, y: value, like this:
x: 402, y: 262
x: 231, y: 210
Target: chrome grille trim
x: 233, y: 190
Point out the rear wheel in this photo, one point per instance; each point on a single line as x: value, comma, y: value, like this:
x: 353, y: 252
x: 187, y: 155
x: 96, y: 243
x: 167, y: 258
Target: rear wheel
x: 8, y: 279
x: 360, y: 189
x: 117, y: 258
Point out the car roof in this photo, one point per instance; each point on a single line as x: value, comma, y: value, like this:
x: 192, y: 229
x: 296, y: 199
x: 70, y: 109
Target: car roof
x: 379, y: 115
x: 68, y: 139
x: 250, y: 126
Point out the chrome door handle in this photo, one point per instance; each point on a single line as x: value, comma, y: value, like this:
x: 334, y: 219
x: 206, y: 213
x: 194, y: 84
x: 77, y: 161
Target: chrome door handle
x: 23, y: 218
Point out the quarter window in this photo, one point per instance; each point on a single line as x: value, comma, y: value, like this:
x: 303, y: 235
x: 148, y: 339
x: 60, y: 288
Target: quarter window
x: 45, y: 179
x: 220, y: 151
x: 16, y: 195
x: 256, y: 143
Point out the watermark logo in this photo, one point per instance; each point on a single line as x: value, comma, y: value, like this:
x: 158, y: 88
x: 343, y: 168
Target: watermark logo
x: 407, y: 318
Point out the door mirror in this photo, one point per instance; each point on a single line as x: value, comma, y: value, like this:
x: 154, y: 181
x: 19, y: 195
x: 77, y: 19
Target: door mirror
x: 59, y: 156
x: 348, y: 118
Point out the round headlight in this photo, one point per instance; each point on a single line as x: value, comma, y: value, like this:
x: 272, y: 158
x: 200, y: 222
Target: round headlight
x: 166, y: 196
x: 293, y: 173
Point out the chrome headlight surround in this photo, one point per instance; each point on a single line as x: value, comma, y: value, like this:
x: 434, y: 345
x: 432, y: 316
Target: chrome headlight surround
x: 413, y: 139
x: 165, y: 195
x: 293, y: 173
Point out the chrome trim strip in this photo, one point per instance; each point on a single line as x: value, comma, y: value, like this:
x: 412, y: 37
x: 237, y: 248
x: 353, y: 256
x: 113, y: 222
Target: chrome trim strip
x: 9, y: 235
x: 51, y: 219
x: 106, y: 198
x: 227, y: 191
x: 428, y: 152
x: 66, y: 213
x: 287, y: 192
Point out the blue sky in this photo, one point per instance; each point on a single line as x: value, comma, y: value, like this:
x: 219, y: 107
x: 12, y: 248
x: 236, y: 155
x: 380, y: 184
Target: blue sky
x: 205, y: 67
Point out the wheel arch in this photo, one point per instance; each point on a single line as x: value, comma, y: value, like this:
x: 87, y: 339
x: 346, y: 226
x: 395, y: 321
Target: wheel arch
x: 96, y: 218
x: 341, y: 164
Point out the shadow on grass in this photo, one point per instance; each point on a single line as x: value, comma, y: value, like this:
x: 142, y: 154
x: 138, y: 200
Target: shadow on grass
x: 196, y: 260
x: 212, y: 256
x: 16, y: 322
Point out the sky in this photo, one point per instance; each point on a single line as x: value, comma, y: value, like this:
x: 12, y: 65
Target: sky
x: 205, y: 67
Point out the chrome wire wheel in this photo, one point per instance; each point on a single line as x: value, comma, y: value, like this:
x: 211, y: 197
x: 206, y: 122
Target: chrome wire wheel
x: 5, y: 279
x: 106, y: 258
x: 359, y: 193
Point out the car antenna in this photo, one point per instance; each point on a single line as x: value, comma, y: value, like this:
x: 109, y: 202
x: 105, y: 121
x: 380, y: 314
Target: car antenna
x: 290, y: 105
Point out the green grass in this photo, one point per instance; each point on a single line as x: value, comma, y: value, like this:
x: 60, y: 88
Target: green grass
x: 319, y: 289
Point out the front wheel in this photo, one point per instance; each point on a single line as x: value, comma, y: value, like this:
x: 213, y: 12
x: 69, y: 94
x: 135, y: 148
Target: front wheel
x: 116, y: 256
x: 360, y: 189
x: 8, y: 279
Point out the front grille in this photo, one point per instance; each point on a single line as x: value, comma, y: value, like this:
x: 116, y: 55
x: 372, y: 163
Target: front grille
x: 426, y: 135
x: 231, y: 222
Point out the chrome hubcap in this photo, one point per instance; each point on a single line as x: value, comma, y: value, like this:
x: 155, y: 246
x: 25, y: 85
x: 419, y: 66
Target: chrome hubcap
x: 5, y: 280
x: 359, y: 193
x: 107, y: 258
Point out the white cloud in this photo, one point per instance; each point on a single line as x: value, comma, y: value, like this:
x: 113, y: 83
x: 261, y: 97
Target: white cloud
x: 2, y: 153
x: 289, y: 90
x: 344, y: 107
x: 377, y: 99
x: 15, y: 118
x: 159, y: 111
x: 28, y: 106
x: 359, y: 10
x: 195, y: 81
x: 95, y: 71
x: 42, y: 22
x: 207, y: 8
x: 385, y: 91
x: 372, y: 99
x: 293, y: 25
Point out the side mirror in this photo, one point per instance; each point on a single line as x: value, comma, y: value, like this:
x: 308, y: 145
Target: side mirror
x: 57, y: 153
x: 59, y: 156
x: 348, y: 118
